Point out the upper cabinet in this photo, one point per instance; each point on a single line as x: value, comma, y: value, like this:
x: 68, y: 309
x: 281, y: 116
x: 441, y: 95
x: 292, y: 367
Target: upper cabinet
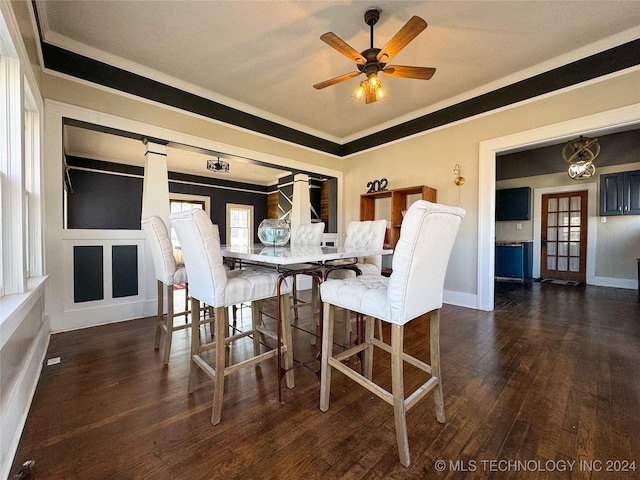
x: 398, y: 206
x: 620, y: 193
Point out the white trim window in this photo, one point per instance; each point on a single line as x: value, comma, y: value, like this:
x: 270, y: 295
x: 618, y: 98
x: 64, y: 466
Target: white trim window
x: 21, y: 244
x: 239, y: 224
x: 181, y: 203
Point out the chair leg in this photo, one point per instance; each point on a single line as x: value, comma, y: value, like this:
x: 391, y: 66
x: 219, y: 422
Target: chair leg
x: 220, y: 365
x: 397, y: 388
x: 294, y: 296
x: 195, y: 346
x: 256, y: 309
x: 314, y: 307
x: 367, y: 362
x: 346, y: 327
x: 327, y: 350
x: 435, y: 364
x: 287, y: 339
x: 186, y: 304
x: 159, y: 319
x: 169, y: 333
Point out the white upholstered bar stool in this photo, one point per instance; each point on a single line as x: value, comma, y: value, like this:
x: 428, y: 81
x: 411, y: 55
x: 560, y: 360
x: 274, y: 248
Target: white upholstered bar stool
x: 305, y: 235
x: 415, y: 288
x: 367, y: 235
x: 168, y: 274
x: 211, y: 284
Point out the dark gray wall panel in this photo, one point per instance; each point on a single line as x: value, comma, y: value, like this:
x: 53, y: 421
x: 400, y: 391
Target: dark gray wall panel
x: 104, y: 201
x: 124, y: 270
x: 88, y: 273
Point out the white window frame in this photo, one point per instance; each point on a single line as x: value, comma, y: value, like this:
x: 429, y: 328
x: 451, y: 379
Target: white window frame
x: 183, y: 197
x: 13, y: 264
x: 21, y: 120
x: 249, y: 209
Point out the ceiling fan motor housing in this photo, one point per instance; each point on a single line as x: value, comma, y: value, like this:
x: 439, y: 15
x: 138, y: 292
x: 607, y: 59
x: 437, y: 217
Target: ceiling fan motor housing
x: 371, y: 16
x: 372, y: 65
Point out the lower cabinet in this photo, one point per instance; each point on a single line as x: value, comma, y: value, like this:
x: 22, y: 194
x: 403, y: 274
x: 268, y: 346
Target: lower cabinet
x: 514, y: 260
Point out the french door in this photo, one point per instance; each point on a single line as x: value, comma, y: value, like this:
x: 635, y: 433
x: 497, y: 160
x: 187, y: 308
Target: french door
x: 563, y: 254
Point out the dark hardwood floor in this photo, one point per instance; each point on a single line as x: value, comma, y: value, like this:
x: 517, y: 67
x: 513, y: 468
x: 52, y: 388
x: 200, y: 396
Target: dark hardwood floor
x: 548, y: 381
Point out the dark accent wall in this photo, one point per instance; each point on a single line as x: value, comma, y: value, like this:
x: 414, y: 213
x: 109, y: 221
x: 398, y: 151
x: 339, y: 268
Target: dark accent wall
x: 106, y: 200
x: 219, y: 199
x: 615, y: 149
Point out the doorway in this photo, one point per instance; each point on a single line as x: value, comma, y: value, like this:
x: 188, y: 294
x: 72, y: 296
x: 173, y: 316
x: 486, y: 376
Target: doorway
x: 617, y: 118
x: 563, y: 254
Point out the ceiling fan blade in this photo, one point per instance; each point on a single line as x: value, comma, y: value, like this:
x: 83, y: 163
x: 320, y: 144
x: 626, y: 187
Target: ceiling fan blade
x: 421, y: 73
x: 411, y: 30
x: 343, y: 47
x: 333, y: 81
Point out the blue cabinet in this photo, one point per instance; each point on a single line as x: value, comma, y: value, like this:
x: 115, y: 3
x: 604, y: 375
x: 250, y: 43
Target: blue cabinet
x: 620, y: 193
x: 514, y: 260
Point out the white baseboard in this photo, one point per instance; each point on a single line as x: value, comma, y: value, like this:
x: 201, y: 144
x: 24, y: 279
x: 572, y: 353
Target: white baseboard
x: 461, y: 299
x: 103, y: 314
x: 631, y: 284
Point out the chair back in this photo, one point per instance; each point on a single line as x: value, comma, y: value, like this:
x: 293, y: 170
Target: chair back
x: 308, y: 234
x: 420, y: 259
x: 200, y: 243
x: 159, y: 243
x: 367, y: 235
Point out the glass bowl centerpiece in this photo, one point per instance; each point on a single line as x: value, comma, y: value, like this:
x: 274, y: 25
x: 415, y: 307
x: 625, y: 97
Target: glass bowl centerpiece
x: 274, y: 232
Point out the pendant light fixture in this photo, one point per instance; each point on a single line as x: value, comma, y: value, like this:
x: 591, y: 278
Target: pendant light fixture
x: 580, y: 153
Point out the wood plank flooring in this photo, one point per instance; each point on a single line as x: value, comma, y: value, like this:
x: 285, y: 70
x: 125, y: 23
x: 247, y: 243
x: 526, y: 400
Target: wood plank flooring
x: 550, y: 377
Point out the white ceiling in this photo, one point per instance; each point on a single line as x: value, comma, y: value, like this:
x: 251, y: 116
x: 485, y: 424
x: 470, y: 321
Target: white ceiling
x: 263, y: 57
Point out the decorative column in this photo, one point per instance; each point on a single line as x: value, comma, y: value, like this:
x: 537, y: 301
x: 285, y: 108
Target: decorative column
x: 155, y: 187
x: 301, y: 208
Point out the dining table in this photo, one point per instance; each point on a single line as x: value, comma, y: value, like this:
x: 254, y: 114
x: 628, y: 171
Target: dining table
x: 289, y: 260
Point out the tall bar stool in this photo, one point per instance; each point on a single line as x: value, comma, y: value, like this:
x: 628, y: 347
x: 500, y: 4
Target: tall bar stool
x: 211, y: 284
x: 306, y: 235
x: 415, y: 288
x: 368, y: 234
x: 168, y: 273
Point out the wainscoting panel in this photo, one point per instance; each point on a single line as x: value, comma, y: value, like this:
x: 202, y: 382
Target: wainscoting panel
x: 106, y: 277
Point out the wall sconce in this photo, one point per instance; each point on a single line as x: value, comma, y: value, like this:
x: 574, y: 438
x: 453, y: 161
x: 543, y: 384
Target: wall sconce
x: 459, y: 181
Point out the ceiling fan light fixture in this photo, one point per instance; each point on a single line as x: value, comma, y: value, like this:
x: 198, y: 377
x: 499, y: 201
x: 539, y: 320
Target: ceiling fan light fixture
x: 381, y: 93
x: 358, y: 93
x: 373, y: 60
x: 370, y: 91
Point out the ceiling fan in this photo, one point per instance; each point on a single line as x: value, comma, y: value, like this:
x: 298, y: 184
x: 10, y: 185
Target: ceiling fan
x: 374, y: 60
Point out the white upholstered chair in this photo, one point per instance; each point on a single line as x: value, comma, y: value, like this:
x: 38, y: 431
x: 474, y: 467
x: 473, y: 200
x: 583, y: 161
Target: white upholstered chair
x: 168, y: 273
x: 210, y: 283
x: 415, y: 288
x: 368, y: 234
x: 308, y: 234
